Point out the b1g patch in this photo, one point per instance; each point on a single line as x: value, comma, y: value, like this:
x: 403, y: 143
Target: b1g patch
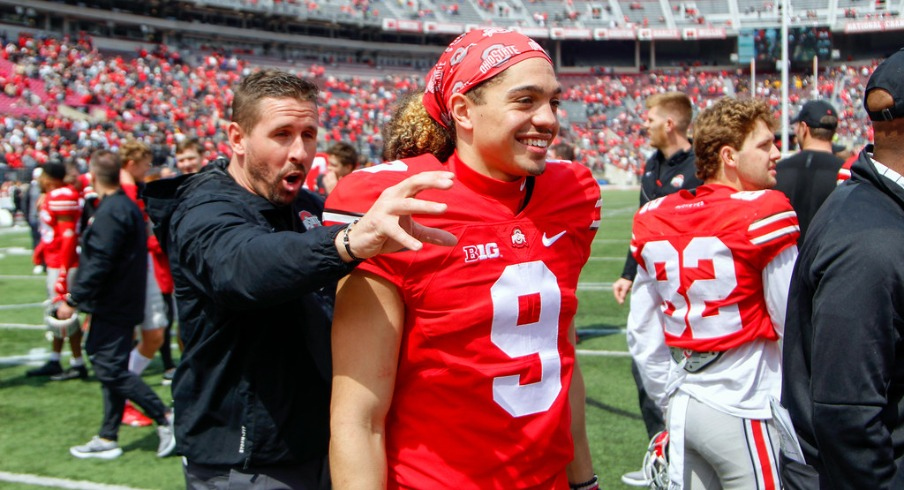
x: 309, y: 220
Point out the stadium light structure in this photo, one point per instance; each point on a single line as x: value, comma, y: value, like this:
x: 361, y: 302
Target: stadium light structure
x: 785, y: 4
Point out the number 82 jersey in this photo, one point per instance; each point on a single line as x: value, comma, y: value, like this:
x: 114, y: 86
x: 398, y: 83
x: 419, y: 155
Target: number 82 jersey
x: 707, y: 252
x: 481, y: 393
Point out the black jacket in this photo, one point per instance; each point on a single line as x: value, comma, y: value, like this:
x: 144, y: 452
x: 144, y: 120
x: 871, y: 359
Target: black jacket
x: 807, y: 178
x: 111, y: 279
x: 843, y: 381
x: 253, y: 385
x: 661, y: 178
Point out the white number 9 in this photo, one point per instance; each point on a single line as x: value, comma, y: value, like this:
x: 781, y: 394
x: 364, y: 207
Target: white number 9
x: 539, y: 337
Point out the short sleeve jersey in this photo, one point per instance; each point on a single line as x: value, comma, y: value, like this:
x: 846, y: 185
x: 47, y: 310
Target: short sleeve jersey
x: 707, y: 252
x: 481, y: 393
x: 59, y: 205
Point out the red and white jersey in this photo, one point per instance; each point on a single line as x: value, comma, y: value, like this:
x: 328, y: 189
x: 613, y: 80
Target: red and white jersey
x: 844, y: 173
x: 60, y: 210
x: 707, y: 252
x: 317, y: 167
x: 713, y: 275
x: 485, y: 365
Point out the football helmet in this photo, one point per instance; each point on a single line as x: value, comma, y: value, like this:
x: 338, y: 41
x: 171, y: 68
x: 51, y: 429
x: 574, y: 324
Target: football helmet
x: 656, y: 461
x: 60, y: 328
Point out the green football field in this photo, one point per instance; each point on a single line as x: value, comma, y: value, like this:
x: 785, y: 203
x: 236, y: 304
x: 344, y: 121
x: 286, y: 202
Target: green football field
x: 40, y: 420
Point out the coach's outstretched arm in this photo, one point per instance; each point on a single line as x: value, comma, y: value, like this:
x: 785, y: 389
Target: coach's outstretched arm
x: 387, y: 226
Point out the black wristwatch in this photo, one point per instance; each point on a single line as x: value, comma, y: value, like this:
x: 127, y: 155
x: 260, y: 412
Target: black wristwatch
x: 69, y: 301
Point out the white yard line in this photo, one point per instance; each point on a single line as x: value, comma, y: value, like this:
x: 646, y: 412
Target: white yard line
x: 20, y: 306
x: 594, y: 286
x: 603, y: 353
x: 47, y: 481
x: 22, y: 326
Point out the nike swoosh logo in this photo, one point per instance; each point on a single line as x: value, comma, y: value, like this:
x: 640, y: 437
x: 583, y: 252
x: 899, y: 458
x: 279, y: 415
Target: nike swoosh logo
x: 548, y: 241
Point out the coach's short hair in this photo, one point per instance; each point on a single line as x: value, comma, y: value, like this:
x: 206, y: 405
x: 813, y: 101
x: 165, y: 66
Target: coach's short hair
x: 273, y: 84
x: 675, y: 104
x: 728, y: 122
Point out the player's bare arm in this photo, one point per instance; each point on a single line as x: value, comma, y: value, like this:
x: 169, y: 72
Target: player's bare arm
x: 581, y: 468
x: 367, y: 331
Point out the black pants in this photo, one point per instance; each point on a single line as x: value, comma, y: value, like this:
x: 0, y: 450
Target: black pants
x: 166, y: 351
x: 108, y: 347
x: 311, y: 475
x: 649, y: 410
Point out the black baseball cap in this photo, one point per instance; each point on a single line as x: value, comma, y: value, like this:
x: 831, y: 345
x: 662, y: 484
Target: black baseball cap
x: 55, y: 170
x: 813, y: 111
x: 888, y: 76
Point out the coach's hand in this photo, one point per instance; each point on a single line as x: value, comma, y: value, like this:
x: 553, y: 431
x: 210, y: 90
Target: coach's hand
x: 387, y: 226
x: 64, y: 311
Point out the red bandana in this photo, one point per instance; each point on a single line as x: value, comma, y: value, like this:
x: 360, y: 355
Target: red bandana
x: 458, y: 70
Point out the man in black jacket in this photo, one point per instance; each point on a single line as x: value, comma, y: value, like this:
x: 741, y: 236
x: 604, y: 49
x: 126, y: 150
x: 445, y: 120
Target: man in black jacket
x: 110, y: 285
x: 253, y: 274
x: 843, y: 381
x: 809, y: 176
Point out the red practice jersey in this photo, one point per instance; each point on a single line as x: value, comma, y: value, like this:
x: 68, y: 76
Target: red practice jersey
x: 485, y: 365
x: 60, y: 210
x: 707, y: 252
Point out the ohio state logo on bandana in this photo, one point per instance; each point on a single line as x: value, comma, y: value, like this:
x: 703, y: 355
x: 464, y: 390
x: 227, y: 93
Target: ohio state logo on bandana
x: 496, y: 55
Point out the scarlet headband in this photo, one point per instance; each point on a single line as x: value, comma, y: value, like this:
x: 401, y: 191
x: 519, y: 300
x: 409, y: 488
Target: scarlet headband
x: 458, y: 71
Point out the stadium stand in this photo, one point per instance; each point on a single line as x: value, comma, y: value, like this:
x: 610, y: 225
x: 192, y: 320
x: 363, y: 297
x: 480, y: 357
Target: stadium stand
x: 64, y: 94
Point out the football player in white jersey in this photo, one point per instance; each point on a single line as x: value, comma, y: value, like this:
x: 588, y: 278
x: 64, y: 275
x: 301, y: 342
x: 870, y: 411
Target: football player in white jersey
x: 711, y: 288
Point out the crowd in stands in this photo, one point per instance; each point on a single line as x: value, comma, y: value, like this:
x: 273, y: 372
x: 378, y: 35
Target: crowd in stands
x: 62, y: 98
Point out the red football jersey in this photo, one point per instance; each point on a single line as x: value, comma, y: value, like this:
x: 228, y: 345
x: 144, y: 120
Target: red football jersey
x: 707, y: 252
x: 62, y: 202
x: 481, y: 394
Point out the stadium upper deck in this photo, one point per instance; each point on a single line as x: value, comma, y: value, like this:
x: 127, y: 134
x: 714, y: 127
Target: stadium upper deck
x: 638, y: 34
x: 364, y: 63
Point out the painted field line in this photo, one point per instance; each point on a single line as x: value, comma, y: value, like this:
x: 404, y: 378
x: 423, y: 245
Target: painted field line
x: 20, y: 305
x: 606, y: 212
x: 46, y: 481
x: 33, y: 276
x: 603, y: 353
x: 22, y: 326
x: 17, y: 251
x: 35, y: 357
